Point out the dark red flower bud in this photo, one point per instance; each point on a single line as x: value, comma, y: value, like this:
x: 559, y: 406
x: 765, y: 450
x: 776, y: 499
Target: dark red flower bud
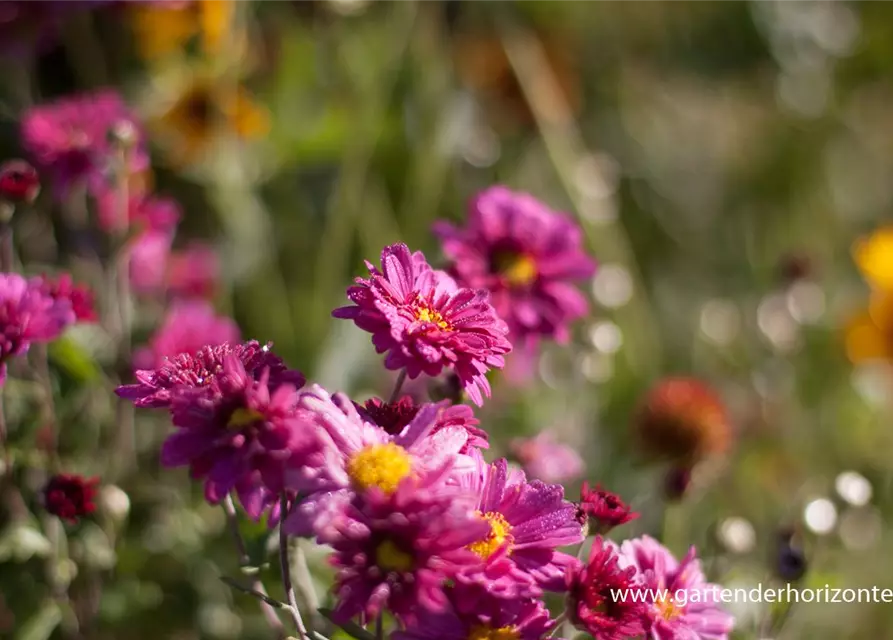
x: 19, y: 182
x: 604, y: 509
x: 70, y: 497
x: 676, y: 483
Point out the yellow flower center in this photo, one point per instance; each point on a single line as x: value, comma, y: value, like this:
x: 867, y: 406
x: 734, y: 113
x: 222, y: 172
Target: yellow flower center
x: 242, y: 417
x: 517, y: 268
x: 424, y: 313
x: 486, y: 632
x: 667, y: 608
x: 499, y: 534
x: 390, y: 557
x: 379, y: 465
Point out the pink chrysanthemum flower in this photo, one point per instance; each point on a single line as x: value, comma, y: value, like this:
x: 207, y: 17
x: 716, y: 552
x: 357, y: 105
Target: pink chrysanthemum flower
x: 545, y: 459
x: 480, y: 616
x: 393, y: 418
x: 154, y: 387
x: 527, y: 256
x: 188, y: 326
x: 193, y: 271
x: 149, y: 252
x: 425, y: 322
x: 605, y: 510
x: 700, y: 617
x: 528, y: 521
x: 235, y: 432
x: 144, y: 211
x: 356, y: 455
x: 79, y: 296
x: 594, y: 603
x: 69, y: 138
x: 396, y: 550
x: 28, y: 314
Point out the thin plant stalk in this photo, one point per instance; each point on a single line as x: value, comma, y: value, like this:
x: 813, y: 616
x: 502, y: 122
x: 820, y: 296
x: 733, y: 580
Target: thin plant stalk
x: 285, y: 566
x: 398, y: 386
x: 244, y: 560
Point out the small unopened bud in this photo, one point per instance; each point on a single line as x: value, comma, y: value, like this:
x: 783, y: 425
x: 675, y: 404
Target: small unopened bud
x: 123, y: 134
x: 790, y: 559
x: 676, y: 483
x: 19, y: 182
x: 115, y: 502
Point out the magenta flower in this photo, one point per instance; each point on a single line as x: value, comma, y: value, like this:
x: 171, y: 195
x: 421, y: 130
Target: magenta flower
x: 144, y: 211
x: 394, y: 417
x: 28, y: 314
x: 425, y: 322
x: 188, y: 326
x: 528, y: 521
x: 700, y: 617
x: 236, y: 432
x: 154, y: 387
x: 149, y: 252
x: 603, y: 509
x: 600, y: 600
x: 69, y: 138
x: 193, y: 271
x: 545, y: 459
x: 482, y: 617
x: 355, y: 455
x: 79, y: 296
x: 19, y: 182
x: 396, y: 550
x: 527, y: 256
x: 70, y: 497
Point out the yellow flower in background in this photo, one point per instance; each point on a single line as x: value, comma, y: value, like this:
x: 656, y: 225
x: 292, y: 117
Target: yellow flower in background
x: 870, y: 335
x: 206, y: 110
x: 164, y: 28
x: 874, y: 257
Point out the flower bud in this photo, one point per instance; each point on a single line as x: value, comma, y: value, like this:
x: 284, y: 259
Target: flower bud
x: 19, y: 182
x: 676, y: 483
x: 115, y: 502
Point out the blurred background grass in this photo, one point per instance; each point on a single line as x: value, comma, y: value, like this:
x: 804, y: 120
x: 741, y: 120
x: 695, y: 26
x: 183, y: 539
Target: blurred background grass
x: 722, y: 158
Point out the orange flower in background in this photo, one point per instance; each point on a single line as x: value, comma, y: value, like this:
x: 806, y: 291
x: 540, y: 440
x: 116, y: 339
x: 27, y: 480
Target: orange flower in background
x: 164, y: 28
x: 682, y: 419
x: 869, y: 336
x: 206, y: 110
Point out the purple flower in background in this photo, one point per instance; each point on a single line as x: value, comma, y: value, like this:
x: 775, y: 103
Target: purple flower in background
x: 593, y: 602
x: 356, y: 455
x: 69, y: 138
x: 154, y: 387
x: 236, y: 432
x: 396, y: 550
x: 528, y: 521
x: 527, y: 256
x: 480, y: 616
x: 79, y: 296
x: 425, y: 322
x: 547, y: 460
x: 700, y: 617
x: 28, y: 314
x: 395, y: 416
x: 193, y: 271
x: 143, y: 211
x: 149, y: 252
x: 188, y: 326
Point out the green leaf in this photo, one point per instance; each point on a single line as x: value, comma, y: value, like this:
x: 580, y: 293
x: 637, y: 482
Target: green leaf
x: 74, y: 359
x: 42, y: 624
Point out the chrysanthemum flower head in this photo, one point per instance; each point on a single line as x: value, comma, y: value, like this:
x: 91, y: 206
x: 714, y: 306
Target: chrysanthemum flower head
x: 700, y: 617
x: 543, y: 458
x: 425, y: 322
x: 19, y: 182
x: 144, y: 211
x: 193, y: 271
x: 188, y: 326
x: 396, y: 550
x: 356, y: 455
x: 69, y: 138
x: 154, y: 387
x: 79, y: 296
x: 683, y: 419
x: 148, y: 254
x: 482, y: 617
x: 593, y: 602
x: 70, y: 497
x: 235, y: 432
x: 393, y: 417
x: 527, y: 521
x: 28, y: 314
x: 605, y: 510
x: 527, y: 256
